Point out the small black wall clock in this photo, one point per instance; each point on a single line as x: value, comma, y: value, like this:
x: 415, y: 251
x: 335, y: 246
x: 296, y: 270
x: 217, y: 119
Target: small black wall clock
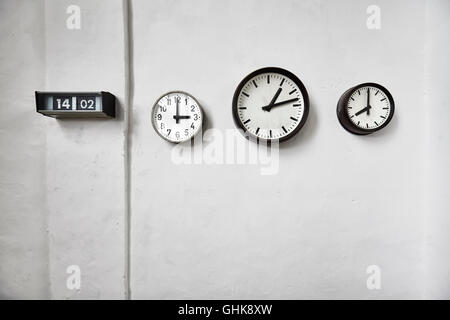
x: 365, y: 108
x: 177, y: 116
x: 270, y: 104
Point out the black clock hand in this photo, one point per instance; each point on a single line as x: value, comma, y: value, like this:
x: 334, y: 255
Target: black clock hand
x: 177, y: 115
x: 368, y: 101
x: 181, y: 117
x: 268, y: 107
x: 273, y: 99
x: 362, y: 111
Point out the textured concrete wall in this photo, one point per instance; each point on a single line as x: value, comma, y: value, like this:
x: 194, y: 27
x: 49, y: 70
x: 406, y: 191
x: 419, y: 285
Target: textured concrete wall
x: 338, y: 203
x: 437, y: 275
x: 23, y: 214
x: 85, y: 158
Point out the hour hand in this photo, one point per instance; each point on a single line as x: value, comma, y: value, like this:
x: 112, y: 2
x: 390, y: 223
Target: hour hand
x: 181, y: 117
x: 363, y: 110
x: 275, y: 97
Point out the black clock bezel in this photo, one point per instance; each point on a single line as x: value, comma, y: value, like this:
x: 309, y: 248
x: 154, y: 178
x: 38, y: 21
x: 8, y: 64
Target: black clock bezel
x: 285, y: 73
x: 344, y: 118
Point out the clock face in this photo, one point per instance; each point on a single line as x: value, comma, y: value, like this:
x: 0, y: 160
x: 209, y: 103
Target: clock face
x: 365, y: 108
x: 177, y: 116
x: 368, y: 107
x: 270, y: 104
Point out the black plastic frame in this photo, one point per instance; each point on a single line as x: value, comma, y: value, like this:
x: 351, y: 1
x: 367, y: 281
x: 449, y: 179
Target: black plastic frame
x: 341, y: 110
x: 108, y: 105
x: 285, y: 73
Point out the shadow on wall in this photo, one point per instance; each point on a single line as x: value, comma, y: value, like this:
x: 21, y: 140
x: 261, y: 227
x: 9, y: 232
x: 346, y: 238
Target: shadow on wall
x: 306, y: 134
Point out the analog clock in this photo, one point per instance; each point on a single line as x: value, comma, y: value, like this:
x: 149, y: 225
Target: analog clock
x: 177, y: 116
x: 365, y: 108
x: 270, y: 104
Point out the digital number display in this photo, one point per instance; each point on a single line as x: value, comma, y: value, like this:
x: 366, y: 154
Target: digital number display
x: 86, y: 103
x: 72, y: 104
x: 62, y: 103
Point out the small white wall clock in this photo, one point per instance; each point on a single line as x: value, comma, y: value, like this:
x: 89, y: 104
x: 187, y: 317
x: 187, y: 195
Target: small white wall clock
x: 365, y: 108
x: 177, y: 116
x: 270, y: 104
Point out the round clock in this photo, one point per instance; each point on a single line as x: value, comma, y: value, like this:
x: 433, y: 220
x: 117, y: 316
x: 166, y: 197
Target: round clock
x: 365, y: 108
x: 177, y: 116
x: 270, y: 104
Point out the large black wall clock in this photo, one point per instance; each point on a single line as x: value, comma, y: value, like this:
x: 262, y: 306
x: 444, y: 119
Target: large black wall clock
x: 365, y: 108
x: 270, y: 104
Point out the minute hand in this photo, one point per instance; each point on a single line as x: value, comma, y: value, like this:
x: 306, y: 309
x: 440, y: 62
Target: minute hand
x: 268, y: 107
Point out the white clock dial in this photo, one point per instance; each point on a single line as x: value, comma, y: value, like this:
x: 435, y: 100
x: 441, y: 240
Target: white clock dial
x: 368, y: 107
x: 270, y: 104
x: 177, y: 116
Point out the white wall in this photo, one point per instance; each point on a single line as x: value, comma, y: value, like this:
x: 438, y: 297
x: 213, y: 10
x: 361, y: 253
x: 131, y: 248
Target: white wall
x: 338, y: 204
x: 437, y: 275
x: 85, y: 158
x: 23, y: 214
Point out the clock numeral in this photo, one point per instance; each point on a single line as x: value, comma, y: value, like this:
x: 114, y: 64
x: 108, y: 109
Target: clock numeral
x: 168, y: 131
x: 159, y: 116
x: 62, y: 103
x: 196, y: 117
x: 192, y: 125
x: 86, y: 103
x: 162, y: 109
x: 192, y: 108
